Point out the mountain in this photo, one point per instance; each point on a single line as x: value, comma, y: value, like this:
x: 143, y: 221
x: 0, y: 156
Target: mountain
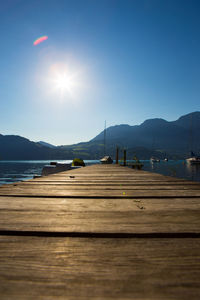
x: 13, y: 147
x: 189, y: 121
x: 176, y: 137
x: 17, y: 147
x: 46, y: 144
x: 154, y: 137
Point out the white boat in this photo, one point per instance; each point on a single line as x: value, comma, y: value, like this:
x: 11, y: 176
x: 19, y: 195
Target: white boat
x: 106, y: 160
x: 194, y: 159
x: 153, y: 159
x: 55, y: 167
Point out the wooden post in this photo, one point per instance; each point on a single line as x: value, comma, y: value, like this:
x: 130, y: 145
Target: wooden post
x: 124, y: 157
x: 117, y: 155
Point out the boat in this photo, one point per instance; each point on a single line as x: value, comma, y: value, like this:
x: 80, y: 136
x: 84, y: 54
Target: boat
x: 153, y: 159
x: 106, y: 160
x: 194, y: 159
x: 55, y: 167
x: 165, y: 159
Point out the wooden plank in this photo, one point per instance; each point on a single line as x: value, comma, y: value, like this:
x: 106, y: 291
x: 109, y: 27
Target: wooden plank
x: 84, y: 268
x: 102, y: 186
x: 93, y: 204
x: 60, y: 191
x: 136, y: 208
x: 93, y: 180
x: 108, y: 176
x: 100, y: 215
x: 109, y: 182
x: 98, y: 202
x: 107, y: 171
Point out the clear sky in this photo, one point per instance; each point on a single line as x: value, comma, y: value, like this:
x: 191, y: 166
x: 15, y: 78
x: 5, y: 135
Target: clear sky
x: 116, y: 60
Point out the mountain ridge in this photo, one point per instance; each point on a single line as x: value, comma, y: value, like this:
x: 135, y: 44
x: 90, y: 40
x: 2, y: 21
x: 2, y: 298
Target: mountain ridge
x: 46, y: 144
x: 156, y: 137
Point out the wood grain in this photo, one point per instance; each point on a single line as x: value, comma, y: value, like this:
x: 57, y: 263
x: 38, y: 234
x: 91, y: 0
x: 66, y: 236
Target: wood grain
x: 100, y: 215
x: 100, y: 232
x: 84, y: 268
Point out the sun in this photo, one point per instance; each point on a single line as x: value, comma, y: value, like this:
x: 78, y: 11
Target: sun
x: 64, y: 83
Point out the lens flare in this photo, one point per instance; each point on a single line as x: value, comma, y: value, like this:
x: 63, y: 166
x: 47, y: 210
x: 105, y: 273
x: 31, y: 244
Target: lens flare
x: 40, y: 40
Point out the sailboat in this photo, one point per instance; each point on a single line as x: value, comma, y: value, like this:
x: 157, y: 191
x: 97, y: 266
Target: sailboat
x: 106, y: 159
x: 153, y: 159
x: 194, y: 159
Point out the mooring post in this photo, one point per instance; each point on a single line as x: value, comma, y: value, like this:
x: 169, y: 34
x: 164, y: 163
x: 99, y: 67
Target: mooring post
x: 124, y: 157
x: 117, y: 155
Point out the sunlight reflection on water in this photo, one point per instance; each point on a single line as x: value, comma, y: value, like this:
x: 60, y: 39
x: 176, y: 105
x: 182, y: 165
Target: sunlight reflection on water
x: 178, y: 168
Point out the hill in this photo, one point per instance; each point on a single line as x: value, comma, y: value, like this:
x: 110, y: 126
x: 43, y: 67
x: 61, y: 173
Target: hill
x: 46, y: 144
x: 176, y: 138
x: 154, y: 137
x: 13, y: 147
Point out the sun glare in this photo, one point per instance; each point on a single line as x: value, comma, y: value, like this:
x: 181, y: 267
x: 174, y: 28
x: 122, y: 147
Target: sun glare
x: 65, y: 81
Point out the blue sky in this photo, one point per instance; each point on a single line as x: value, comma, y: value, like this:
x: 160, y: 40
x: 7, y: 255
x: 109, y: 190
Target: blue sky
x: 119, y: 61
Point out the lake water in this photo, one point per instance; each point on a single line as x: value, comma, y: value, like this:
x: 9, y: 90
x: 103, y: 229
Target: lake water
x: 13, y: 171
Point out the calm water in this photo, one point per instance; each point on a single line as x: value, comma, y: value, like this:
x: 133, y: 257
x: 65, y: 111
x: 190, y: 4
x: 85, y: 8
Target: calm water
x: 12, y: 171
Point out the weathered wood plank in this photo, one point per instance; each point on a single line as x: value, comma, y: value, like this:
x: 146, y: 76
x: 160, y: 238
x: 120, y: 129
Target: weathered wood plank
x: 98, y: 222
x: 83, y: 268
x: 100, y: 215
x: 95, y: 204
x: 108, y: 176
x: 61, y: 191
x: 102, y: 186
x: 110, y: 208
x: 107, y: 171
x: 100, y: 200
x: 110, y: 182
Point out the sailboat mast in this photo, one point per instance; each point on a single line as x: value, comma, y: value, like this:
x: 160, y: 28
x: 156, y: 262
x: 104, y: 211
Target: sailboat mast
x: 105, y: 139
x: 191, y: 135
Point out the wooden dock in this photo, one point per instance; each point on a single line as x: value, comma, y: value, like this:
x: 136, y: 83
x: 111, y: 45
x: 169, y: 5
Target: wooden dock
x: 100, y: 232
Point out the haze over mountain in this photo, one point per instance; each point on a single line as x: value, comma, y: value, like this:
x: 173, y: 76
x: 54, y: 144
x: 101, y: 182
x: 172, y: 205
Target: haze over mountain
x: 46, y: 144
x: 156, y: 137
x: 13, y: 147
x: 158, y: 134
